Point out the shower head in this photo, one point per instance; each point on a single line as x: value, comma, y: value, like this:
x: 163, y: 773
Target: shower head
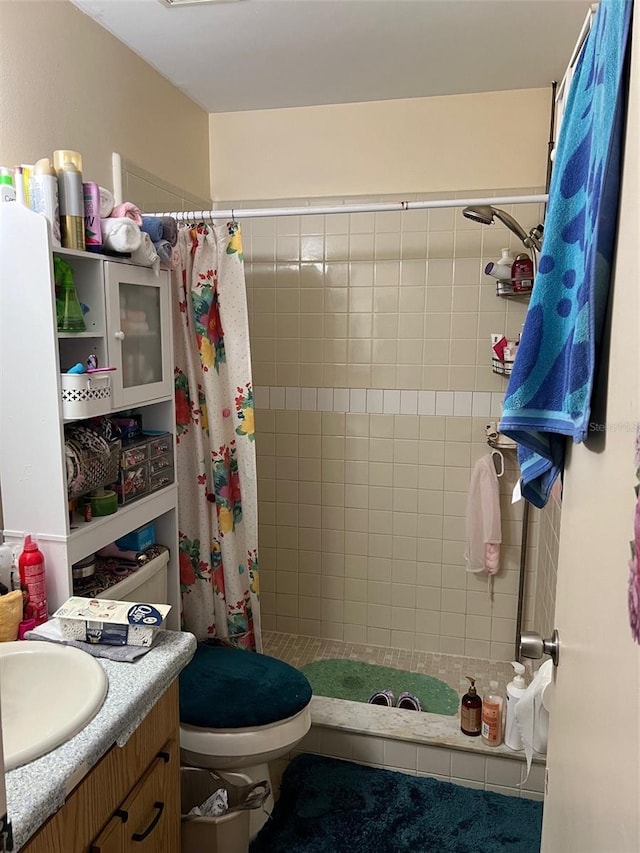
x: 485, y: 214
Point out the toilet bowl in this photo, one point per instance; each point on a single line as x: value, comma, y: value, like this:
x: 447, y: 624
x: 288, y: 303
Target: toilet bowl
x: 240, y: 710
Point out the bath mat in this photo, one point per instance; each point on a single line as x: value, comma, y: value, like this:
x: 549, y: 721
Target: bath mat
x: 338, y: 806
x: 352, y: 679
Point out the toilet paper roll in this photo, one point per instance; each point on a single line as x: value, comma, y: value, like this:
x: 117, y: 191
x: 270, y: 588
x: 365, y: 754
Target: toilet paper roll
x: 532, y: 714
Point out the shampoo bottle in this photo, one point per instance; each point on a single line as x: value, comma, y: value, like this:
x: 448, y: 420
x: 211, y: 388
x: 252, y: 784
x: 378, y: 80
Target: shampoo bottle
x: 32, y: 582
x: 515, y: 690
x: 492, y: 716
x: 7, y: 189
x: 68, y: 166
x: 471, y: 711
x: 522, y: 274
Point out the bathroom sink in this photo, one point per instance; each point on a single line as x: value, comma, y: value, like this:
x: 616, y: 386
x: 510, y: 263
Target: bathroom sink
x: 48, y: 693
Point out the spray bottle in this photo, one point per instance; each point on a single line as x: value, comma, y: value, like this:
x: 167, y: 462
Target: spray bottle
x: 43, y: 196
x: 68, y: 166
x: 32, y: 581
x: 515, y: 689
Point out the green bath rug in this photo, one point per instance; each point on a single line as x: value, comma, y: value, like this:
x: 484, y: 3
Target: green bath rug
x: 352, y: 679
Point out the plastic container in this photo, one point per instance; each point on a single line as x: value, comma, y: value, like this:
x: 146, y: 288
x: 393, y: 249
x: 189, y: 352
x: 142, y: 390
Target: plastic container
x: 85, y: 395
x: 7, y: 189
x: 515, y: 689
x: 228, y: 833
x: 148, y: 583
x: 492, y: 704
x: 138, y: 540
x: 471, y: 711
x: 32, y: 581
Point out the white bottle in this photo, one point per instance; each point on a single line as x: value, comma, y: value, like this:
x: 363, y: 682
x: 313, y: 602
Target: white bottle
x: 515, y: 690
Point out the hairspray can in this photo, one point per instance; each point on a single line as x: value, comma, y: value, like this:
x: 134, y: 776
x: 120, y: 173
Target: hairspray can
x: 43, y: 196
x: 92, y: 232
x: 68, y: 166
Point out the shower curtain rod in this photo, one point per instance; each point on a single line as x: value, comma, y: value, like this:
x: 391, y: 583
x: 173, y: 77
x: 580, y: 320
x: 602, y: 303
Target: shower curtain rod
x: 263, y: 212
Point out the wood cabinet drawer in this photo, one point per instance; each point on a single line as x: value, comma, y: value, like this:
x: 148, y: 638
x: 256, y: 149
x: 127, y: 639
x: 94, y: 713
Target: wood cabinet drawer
x: 148, y: 820
x: 90, y: 806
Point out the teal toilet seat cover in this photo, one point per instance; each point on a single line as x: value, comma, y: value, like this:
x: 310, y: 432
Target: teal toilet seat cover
x: 229, y: 688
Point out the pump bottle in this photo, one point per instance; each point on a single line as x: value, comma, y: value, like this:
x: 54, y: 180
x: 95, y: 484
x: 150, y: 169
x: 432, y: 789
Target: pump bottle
x: 471, y: 711
x: 515, y: 689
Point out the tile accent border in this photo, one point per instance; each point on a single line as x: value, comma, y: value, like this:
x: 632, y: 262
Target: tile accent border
x: 380, y: 401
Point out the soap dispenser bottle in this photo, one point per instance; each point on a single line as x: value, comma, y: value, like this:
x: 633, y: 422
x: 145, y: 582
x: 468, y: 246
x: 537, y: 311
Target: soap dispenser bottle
x: 515, y: 690
x: 471, y: 711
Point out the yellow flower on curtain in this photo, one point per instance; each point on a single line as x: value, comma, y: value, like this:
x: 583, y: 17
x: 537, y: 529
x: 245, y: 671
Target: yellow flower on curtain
x: 206, y: 351
x: 225, y: 519
x: 244, y: 410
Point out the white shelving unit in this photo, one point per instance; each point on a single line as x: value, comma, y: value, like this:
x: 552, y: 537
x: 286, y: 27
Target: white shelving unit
x: 32, y: 357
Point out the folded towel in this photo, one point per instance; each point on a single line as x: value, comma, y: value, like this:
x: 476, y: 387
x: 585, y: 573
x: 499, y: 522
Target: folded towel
x: 145, y: 254
x: 107, y: 203
x: 170, y: 230
x: 120, y: 235
x: 174, y: 260
x: 52, y: 632
x: 549, y: 393
x: 152, y: 225
x: 164, y: 250
x: 129, y: 210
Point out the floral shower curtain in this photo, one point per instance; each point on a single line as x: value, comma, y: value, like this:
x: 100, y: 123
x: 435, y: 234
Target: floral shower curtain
x: 217, y: 490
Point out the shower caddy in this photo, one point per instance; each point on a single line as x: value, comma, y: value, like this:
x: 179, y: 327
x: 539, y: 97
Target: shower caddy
x: 39, y: 399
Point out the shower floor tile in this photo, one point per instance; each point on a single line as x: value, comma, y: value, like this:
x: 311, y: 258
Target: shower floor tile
x: 452, y: 669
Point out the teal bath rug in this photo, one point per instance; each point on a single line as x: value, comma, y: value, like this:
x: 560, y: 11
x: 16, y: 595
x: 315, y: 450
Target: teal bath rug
x: 332, y: 806
x: 351, y: 679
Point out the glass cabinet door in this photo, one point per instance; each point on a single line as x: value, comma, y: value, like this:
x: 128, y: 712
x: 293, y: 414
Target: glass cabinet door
x: 138, y: 330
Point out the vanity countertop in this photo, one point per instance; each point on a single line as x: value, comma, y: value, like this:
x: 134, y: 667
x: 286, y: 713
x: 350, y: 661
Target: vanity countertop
x: 38, y: 789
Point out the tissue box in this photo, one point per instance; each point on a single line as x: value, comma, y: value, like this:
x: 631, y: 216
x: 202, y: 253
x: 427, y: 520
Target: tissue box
x: 117, y: 623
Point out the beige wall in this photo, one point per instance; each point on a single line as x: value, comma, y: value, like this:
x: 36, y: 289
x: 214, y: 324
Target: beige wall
x: 371, y: 357
x: 497, y: 139
x: 68, y: 83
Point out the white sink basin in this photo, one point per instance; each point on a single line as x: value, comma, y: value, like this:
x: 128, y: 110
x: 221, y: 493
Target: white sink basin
x: 48, y: 693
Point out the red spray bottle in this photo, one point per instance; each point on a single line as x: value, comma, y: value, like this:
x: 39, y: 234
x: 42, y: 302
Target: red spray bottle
x: 32, y: 582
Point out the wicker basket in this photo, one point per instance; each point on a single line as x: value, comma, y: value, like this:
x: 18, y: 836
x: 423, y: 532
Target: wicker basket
x: 92, y: 461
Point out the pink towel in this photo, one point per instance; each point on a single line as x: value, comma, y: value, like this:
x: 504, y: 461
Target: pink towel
x: 484, y: 533
x: 127, y: 209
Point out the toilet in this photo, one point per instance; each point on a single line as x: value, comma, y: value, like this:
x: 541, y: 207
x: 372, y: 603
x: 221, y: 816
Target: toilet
x: 239, y: 710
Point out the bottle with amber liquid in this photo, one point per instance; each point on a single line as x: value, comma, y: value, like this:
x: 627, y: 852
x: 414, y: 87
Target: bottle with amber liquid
x: 471, y: 711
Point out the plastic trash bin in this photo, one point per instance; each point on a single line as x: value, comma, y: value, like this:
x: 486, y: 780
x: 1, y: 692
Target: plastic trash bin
x: 228, y: 833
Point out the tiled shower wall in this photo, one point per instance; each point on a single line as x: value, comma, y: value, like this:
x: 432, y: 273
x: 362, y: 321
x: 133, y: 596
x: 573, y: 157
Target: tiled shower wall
x: 370, y: 338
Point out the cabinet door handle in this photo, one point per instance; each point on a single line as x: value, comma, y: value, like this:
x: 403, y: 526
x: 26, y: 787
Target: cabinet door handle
x: 119, y: 335
x: 140, y: 836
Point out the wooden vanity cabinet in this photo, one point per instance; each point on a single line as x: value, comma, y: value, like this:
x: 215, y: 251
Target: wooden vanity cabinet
x: 130, y: 800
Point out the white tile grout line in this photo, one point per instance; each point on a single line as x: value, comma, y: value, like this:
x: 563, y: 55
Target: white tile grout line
x: 464, y: 404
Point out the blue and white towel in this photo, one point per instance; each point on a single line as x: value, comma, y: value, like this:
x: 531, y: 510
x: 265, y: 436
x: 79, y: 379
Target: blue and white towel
x: 549, y: 393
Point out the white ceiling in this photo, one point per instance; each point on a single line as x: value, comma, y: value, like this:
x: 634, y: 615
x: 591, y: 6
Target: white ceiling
x: 264, y: 54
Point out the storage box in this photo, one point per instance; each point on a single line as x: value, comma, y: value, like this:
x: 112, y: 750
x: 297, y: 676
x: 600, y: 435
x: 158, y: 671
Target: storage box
x: 85, y: 395
x: 134, y: 452
x: 117, y: 623
x: 148, y: 583
x: 138, y: 540
x: 133, y: 483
